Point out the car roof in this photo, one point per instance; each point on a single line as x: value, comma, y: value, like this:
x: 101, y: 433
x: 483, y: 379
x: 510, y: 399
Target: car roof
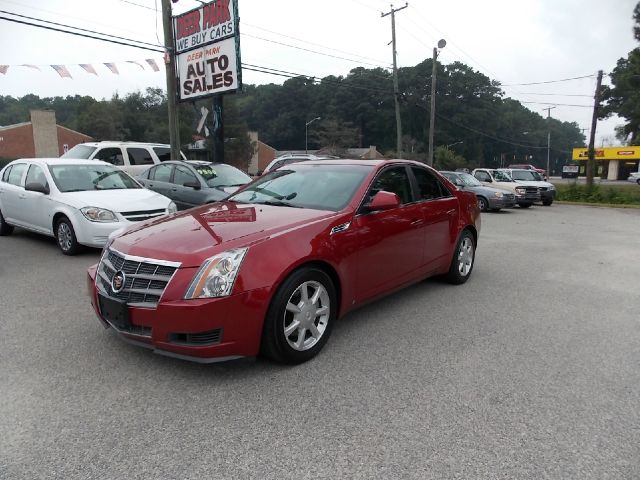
x: 117, y: 142
x: 60, y: 161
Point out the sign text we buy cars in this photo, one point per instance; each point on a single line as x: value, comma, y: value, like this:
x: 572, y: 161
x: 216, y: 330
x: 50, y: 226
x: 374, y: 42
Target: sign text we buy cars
x: 207, y: 48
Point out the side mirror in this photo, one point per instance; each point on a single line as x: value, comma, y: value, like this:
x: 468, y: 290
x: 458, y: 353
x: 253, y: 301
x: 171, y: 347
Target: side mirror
x: 384, y: 201
x: 37, y: 187
x: 194, y: 185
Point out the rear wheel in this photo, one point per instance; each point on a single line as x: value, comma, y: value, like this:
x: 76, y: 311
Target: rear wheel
x: 300, y: 317
x: 5, y: 228
x: 66, y: 237
x: 483, y: 204
x: 463, y: 259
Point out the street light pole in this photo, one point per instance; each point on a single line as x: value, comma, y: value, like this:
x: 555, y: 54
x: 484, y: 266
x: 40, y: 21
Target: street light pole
x: 548, y: 109
x: 170, y: 59
x: 306, y: 129
x: 432, y: 119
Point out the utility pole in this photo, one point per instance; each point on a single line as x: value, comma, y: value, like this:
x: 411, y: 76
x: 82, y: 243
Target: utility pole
x: 591, y: 162
x: 396, y: 93
x: 548, y: 109
x: 170, y: 64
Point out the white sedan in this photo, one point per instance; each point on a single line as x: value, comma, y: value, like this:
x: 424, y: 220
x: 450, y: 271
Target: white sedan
x: 79, y: 202
x: 634, y: 177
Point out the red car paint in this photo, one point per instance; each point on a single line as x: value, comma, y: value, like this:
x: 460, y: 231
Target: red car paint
x: 378, y: 253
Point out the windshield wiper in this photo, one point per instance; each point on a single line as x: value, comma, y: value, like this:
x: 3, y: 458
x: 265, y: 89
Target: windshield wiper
x: 280, y: 203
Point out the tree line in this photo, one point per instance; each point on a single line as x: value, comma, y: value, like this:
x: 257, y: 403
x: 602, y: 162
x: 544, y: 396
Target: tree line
x: 476, y: 124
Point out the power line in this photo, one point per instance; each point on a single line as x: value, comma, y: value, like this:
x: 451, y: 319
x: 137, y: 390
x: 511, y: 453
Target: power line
x: 314, y: 44
x: 75, y: 28
x: 559, y: 104
x: 314, y: 51
x: 548, y: 81
x: 138, y: 5
x: 79, y: 34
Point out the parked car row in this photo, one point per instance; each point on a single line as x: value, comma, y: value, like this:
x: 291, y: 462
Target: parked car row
x: 81, y: 202
x: 505, y: 187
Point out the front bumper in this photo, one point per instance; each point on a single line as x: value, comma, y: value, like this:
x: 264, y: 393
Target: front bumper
x: 503, y: 202
x: 546, y: 195
x: 202, y: 330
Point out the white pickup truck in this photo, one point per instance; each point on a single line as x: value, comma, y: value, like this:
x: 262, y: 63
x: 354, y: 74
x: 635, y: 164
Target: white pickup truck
x: 526, y: 195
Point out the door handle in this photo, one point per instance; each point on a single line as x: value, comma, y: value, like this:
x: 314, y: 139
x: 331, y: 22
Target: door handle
x: 22, y: 195
x: 416, y: 222
x: 451, y: 212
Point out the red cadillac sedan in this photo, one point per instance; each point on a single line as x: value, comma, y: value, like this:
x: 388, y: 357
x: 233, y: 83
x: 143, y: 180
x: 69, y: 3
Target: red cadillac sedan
x: 271, y: 268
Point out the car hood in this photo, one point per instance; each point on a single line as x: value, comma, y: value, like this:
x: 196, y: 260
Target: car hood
x: 532, y: 183
x: 192, y: 236
x: 121, y: 200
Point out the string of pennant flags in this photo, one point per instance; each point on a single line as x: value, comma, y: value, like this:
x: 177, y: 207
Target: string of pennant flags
x: 64, y: 72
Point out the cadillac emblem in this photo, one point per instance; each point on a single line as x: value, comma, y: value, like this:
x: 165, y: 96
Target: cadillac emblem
x: 117, y: 282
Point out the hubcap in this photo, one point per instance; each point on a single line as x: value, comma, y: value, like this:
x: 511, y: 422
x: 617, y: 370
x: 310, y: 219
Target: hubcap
x: 465, y: 256
x: 306, y: 316
x: 65, y: 237
x: 481, y: 204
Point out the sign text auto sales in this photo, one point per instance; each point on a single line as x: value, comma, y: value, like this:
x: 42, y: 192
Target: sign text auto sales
x: 207, y: 47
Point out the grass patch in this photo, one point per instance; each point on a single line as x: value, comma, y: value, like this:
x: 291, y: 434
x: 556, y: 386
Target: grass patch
x: 598, y: 194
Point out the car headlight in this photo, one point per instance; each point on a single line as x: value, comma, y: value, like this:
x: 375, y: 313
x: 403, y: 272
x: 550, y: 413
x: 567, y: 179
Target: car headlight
x: 552, y: 187
x: 521, y: 190
x: 172, y: 208
x: 216, y: 275
x: 96, y: 214
x: 498, y: 194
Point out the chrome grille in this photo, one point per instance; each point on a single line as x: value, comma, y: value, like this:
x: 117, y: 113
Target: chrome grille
x: 145, y: 279
x: 139, y: 215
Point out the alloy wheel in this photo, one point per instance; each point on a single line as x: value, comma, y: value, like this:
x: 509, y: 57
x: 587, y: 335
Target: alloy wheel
x: 306, y: 315
x: 465, y: 256
x: 65, y: 236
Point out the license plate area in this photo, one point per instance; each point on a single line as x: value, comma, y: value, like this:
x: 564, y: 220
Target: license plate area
x: 115, y: 312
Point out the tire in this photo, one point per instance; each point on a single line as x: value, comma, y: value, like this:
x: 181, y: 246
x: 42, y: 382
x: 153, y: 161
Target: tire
x: 463, y: 259
x: 495, y: 210
x: 547, y: 203
x: 638, y: 181
x: 483, y: 204
x: 5, y: 228
x: 281, y: 340
x: 525, y: 205
x: 66, y: 237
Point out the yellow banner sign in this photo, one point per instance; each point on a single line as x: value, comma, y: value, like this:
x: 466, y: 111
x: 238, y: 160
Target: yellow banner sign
x: 608, y: 153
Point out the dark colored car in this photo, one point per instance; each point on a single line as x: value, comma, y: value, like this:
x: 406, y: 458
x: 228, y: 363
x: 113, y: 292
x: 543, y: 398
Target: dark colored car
x: 190, y: 183
x: 271, y: 268
x: 489, y: 198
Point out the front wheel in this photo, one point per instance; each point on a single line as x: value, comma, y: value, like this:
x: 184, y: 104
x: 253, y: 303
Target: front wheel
x: 483, y: 205
x: 547, y: 203
x: 66, y: 237
x: 525, y: 205
x: 300, y: 317
x: 5, y: 228
x: 638, y: 181
x: 463, y: 259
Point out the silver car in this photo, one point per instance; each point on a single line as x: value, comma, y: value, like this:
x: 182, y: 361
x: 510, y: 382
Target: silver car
x: 489, y: 198
x: 634, y: 177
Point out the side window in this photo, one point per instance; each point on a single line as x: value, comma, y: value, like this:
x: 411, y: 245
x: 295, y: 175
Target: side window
x: 5, y: 175
x: 139, y: 156
x: 429, y: 187
x: 394, y: 180
x: 163, y: 153
x: 36, y: 175
x: 183, y: 175
x: 482, y: 176
x: 110, y: 155
x: 15, y: 175
x: 161, y: 173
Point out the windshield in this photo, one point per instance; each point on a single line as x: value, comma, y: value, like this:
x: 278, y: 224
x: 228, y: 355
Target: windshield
x: 469, y: 180
x: 81, y: 178
x: 79, y: 151
x: 525, y: 175
x: 321, y: 187
x: 501, y: 176
x: 537, y: 176
x: 222, y: 175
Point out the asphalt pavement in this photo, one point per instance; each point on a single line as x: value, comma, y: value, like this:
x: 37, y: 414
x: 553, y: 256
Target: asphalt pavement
x: 530, y: 370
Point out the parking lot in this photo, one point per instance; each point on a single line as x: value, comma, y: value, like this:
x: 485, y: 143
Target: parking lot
x: 530, y: 370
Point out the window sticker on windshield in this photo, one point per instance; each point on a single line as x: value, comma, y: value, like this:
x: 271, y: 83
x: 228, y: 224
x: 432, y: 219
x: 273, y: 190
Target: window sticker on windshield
x: 207, y: 172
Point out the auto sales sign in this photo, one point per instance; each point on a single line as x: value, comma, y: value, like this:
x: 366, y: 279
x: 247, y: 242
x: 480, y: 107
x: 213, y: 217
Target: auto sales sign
x: 207, y: 45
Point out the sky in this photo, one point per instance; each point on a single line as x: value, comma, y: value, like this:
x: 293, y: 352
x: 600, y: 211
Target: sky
x: 516, y: 42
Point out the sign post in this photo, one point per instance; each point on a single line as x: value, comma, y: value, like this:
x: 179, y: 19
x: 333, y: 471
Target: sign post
x: 207, y: 46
